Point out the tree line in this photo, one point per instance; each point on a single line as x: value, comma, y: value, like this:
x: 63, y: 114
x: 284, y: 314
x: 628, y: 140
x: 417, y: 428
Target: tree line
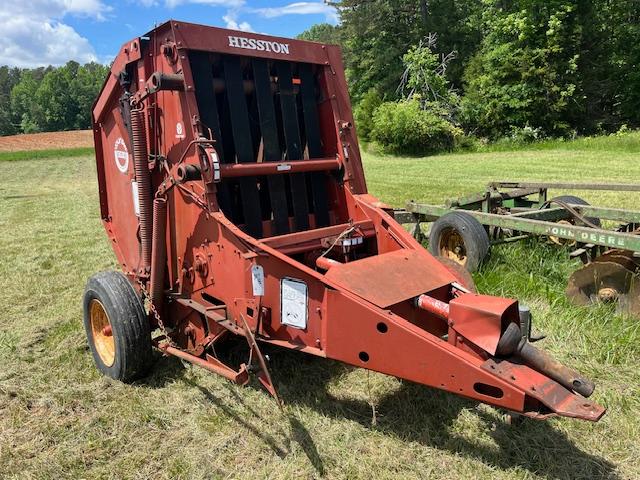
x: 511, y: 68
x: 430, y: 73
x: 48, y: 99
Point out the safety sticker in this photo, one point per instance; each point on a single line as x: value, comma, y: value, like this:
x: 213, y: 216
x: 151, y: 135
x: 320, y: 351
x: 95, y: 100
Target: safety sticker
x: 293, y: 303
x: 257, y: 279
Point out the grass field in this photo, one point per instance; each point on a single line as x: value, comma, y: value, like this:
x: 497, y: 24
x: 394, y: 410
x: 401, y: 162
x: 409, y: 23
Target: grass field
x: 60, y: 419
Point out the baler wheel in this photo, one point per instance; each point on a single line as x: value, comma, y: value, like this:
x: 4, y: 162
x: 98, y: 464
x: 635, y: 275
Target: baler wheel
x: 461, y: 238
x: 117, y: 327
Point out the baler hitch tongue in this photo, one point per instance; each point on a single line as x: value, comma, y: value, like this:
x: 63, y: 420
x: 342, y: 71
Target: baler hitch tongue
x: 512, y: 343
x: 460, y: 313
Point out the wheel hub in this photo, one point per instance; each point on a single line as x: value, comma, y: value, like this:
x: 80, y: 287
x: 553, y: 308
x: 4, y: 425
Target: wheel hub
x: 102, y: 333
x: 452, y: 247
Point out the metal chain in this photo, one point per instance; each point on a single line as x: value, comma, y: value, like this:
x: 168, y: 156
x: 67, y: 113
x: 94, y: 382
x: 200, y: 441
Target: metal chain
x: 155, y: 312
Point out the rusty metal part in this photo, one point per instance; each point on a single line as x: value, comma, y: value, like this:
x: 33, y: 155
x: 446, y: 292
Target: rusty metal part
x: 482, y: 318
x: 404, y: 276
x: 188, y: 173
x: 234, y: 170
x: 191, y: 334
x: 102, y: 332
x: 326, y: 263
x: 241, y: 377
x: 462, y: 274
x: 143, y: 180
x: 611, y: 277
x: 165, y: 81
x: 158, y: 81
x: 512, y: 343
x: 158, y: 252
x: 433, y: 305
x: 551, y: 394
x: 263, y: 375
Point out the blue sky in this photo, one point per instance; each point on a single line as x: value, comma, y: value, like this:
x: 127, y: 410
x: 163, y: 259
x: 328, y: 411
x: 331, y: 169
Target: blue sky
x: 51, y: 32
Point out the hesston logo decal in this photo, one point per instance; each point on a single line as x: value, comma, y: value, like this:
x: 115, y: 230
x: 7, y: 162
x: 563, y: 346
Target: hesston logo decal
x: 259, y: 45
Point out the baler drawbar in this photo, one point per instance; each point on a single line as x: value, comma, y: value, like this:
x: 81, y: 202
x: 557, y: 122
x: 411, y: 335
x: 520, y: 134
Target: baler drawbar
x: 233, y: 195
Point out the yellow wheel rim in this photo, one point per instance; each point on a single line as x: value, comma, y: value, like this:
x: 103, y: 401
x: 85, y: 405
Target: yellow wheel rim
x: 562, y: 241
x: 102, y: 333
x: 452, y: 246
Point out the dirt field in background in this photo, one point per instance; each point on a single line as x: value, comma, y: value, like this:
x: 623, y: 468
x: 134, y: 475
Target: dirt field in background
x: 46, y: 141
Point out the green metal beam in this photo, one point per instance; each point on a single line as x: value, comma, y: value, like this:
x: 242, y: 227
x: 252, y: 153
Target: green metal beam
x: 617, y: 187
x: 594, y: 236
x: 545, y: 214
x: 617, y: 214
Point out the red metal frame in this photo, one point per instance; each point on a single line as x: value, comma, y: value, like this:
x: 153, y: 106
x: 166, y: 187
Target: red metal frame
x: 369, y: 309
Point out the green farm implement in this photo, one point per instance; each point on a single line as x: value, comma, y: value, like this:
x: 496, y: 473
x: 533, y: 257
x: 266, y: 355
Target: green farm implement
x: 464, y: 229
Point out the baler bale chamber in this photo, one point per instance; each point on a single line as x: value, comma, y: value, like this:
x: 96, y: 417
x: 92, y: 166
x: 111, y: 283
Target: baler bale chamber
x: 233, y: 195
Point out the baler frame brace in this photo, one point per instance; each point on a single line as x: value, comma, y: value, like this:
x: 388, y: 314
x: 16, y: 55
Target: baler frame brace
x: 271, y: 234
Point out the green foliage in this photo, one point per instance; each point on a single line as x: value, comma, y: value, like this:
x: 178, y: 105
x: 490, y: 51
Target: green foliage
x: 323, y: 33
x: 421, y: 75
x: 9, y: 77
x: 423, y: 121
x: 558, y: 67
x: 54, y: 97
x: 364, y: 111
x: 50, y: 99
x: 25, y: 109
x: 526, y: 72
x: 408, y: 127
x: 377, y: 33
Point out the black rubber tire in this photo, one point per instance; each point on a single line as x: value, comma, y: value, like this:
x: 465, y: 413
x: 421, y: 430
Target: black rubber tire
x: 129, y: 323
x: 474, y: 237
x: 577, y: 201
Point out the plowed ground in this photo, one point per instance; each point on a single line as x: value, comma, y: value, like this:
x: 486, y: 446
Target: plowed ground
x: 46, y: 141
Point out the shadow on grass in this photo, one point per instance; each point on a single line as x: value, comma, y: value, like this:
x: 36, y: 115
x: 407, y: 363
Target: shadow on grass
x: 412, y: 413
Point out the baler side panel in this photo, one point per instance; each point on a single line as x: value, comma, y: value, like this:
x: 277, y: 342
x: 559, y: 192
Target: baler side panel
x: 116, y: 160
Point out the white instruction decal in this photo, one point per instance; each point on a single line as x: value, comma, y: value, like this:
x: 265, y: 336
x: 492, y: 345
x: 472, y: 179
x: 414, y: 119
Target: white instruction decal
x: 257, y: 279
x: 136, y: 199
x: 121, y: 154
x: 293, y: 303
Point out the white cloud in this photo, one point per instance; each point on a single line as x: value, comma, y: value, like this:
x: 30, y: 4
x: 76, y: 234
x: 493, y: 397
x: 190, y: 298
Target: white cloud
x: 34, y: 34
x: 55, y: 9
x: 92, y: 8
x: 32, y: 43
x: 213, y: 3
x: 231, y: 21
x: 299, y: 8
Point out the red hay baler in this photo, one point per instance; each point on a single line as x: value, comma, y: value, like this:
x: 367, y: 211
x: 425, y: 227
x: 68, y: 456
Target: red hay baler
x: 233, y: 195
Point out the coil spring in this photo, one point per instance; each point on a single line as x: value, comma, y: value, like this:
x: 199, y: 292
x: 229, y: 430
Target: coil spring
x: 143, y: 179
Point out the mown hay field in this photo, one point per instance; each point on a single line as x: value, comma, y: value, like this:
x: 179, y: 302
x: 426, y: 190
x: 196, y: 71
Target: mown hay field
x: 60, y: 419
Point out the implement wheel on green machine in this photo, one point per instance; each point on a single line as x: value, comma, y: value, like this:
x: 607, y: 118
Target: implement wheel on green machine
x: 461, y: 238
